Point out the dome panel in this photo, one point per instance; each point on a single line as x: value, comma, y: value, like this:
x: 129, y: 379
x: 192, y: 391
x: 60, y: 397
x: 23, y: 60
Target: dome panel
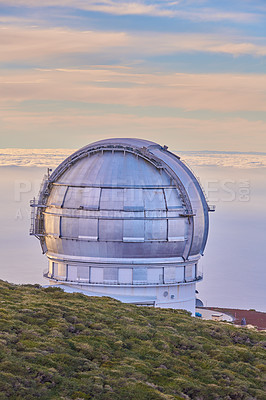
x: 112, y: 199
x: 82, y: 197
x: 112, y: 169
x: 56, y: 196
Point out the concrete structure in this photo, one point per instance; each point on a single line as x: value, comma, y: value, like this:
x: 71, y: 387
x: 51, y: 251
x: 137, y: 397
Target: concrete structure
x: 124, y: 218
x: 214, y: 316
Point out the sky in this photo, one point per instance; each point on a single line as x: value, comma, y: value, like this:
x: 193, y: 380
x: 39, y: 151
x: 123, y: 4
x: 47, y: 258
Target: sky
x: 189, y: 74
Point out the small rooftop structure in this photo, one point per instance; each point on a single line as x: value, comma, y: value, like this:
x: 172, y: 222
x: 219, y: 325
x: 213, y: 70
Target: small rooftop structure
x: 217, y: 317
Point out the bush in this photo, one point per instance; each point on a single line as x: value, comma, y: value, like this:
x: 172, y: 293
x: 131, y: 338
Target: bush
x: 56, y: 345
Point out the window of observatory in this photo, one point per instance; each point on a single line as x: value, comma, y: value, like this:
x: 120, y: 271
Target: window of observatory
x: 110, y: 274
x: 125, y: 275
x: 169, y: 274
x: 139, y: 275
x: 59, y: 270
x: 189, y: 272
x: 155, y: 275
x: 50, y: 268
x: 83, y: 273
x: 180, y: 274
x: 72, y: 273
x: 96, y: 275
x: 55, y: 269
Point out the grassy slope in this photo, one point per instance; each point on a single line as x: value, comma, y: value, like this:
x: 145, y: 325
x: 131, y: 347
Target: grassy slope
x: 55, y: 345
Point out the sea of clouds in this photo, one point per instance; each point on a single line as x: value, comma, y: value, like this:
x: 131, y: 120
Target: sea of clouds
x: 52, y: 157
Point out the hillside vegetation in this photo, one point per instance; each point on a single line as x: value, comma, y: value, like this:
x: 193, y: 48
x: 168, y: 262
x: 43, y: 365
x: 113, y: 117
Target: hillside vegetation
x: 55, y: 345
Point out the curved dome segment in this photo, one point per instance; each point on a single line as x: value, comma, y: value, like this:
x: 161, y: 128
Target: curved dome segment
x: 126, y: 144
x: 124, y: 213
x: 104, y: 169
x: 106, y: 203
x: 124, y: 191
x: 199, y: 205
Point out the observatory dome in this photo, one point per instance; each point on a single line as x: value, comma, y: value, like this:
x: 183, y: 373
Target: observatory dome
x: 124, y: 218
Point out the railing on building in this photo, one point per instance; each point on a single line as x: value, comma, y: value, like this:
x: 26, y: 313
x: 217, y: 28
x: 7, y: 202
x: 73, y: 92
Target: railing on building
x: 47, y: 274
x: 36, y: 219
x: 32, y: 216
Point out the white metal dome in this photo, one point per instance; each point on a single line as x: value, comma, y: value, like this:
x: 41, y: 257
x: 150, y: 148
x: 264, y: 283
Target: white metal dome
x: 125, y: 218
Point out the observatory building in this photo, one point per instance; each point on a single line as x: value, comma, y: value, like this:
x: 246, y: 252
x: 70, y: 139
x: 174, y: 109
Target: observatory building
x: 124, y: 218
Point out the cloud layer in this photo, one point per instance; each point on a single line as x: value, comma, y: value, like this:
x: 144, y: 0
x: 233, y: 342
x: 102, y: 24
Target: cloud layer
x: 223, y: 92
x: 188, y: 10
x: 53, y: 157
x: 33, y: 43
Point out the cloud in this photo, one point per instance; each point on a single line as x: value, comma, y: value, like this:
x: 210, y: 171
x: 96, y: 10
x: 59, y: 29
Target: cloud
x: 123, y: 86
x: 171, y: 9
x: 33, y: 157
x: 58, y: 128
x: 29, y: 44
x: 216, y: 15
x: 22, y: 44
x: 156, y: 44
x: 116, y: 7
x: 53, y: 157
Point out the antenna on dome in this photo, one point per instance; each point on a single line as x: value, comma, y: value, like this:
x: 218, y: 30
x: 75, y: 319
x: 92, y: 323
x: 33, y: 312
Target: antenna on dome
x: 48, y: 172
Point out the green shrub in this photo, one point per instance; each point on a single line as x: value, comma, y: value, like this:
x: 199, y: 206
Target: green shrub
x: 55, y: 345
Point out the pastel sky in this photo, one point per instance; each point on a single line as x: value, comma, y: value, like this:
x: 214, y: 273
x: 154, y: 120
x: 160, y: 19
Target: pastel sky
x: 189, y: 74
